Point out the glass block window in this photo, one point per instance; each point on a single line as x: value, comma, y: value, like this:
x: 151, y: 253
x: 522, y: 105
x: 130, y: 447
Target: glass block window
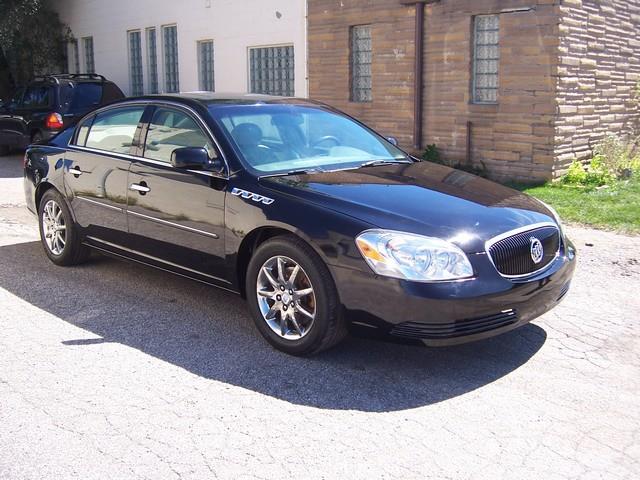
x: 361, y: 55
x: 486, y: 58
x: 152, y: 60
x: 272, y: 70
x: 135, y: 64
x: 74, y: 60
x: 171, y: 77
x: 89, y: 62
x: 205, y: 57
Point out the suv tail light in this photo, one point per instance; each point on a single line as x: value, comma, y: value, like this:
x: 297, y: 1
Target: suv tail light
x: 54, y: 121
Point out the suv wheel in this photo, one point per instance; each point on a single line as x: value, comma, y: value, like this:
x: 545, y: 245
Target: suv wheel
x: 36, y: 137
x: 292, y: 297
x: 4, y: 150
x: 58, y: 233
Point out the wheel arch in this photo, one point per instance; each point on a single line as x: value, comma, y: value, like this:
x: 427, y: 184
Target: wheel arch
x: 257, y: 237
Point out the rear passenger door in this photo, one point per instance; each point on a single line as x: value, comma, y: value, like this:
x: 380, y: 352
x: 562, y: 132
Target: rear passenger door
x: 96, y: 169
x: 176, y: 216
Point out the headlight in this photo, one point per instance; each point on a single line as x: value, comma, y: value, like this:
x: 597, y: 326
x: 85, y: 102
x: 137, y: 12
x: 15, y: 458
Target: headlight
x: 413, y: 257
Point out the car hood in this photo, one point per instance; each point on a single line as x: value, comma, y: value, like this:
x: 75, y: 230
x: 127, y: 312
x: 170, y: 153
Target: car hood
x: 421, y: 197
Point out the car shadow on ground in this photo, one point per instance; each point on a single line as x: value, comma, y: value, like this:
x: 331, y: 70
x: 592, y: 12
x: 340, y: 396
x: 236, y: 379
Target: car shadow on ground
x: 11, y: 165
x: 208, y: 332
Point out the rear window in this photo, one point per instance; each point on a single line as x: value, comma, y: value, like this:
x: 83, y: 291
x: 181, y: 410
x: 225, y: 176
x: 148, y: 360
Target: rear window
x: 80, y: 96
x: 36, y: 96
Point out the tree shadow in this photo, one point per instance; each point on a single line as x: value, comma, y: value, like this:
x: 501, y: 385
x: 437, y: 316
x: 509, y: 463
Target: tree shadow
x: 208, y: 332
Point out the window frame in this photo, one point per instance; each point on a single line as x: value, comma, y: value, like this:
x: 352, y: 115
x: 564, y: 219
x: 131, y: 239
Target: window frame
x: 132, y: 84
x: 200, y: 44
x: 150, y: 114
x: 92, y: 118
x: 75, y: 56
x: 140, y: 138
x: 152, y: 60
x: 475, y: 59
x: 165, y: 70
x: 250, y: 78
x: 353, y: 53
x: 89, y: 60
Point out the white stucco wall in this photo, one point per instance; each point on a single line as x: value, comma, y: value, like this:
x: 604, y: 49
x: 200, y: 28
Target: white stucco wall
x: 233, y: 25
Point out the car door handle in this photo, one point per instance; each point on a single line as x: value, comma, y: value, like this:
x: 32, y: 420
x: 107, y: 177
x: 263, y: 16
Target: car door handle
x: 75, y: 171
x: 141, y: 188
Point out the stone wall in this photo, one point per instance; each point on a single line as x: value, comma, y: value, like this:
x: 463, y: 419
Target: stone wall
x: 514, y: 138
x: 568, y: 75
x: 598, y: 76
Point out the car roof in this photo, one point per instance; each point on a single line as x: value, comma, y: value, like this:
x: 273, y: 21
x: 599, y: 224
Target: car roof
x: 214, y: 98
x: 68, y: 78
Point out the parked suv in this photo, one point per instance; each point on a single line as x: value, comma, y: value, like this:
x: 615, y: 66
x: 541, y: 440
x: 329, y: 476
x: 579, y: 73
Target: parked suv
x: 49, y: 104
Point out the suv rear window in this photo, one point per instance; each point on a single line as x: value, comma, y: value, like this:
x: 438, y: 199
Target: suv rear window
x: 80, y: 96
x: 36, y: 96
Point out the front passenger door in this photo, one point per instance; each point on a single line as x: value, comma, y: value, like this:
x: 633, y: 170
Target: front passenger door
x: 176, y: 217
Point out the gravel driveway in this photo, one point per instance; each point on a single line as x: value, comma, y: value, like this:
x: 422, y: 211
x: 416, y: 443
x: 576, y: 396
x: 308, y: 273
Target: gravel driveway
x: 115, y: 371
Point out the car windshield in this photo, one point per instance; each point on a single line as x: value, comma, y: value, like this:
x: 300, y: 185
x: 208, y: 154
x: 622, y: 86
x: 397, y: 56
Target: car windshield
x: 80, y: 96
x: 279, y: 138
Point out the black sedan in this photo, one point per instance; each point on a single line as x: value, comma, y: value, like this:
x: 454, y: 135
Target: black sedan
x: 319, y: 222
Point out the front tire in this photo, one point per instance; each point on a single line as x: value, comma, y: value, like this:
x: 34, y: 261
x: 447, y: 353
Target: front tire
x: 4, y: 150
x: 58, y: 233
x: 292, y: 298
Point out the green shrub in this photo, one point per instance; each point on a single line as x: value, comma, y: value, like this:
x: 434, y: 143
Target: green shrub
x: 614, y: 160
x: 432, y: 154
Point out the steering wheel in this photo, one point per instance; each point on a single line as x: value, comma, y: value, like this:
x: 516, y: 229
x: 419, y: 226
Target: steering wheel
x: 327, y: 138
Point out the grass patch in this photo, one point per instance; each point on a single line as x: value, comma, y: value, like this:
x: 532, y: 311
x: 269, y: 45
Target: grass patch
x: 613, y: 208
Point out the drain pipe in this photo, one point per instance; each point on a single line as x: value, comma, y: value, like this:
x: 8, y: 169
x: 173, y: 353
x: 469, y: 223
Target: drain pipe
x: 418, y: 73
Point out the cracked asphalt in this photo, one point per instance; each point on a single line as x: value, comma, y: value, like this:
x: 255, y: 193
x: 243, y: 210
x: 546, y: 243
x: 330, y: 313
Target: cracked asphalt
x: 112, y: 370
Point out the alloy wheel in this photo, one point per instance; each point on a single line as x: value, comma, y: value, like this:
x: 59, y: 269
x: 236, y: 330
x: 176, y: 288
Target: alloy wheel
x: 54, y: 227
x: 286, y: 298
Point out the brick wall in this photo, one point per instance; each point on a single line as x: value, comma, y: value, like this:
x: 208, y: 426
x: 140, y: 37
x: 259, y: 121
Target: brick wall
x: 599, y: 57
x: 514, y: 138
x: 568, y: 72
x: 392, y: 31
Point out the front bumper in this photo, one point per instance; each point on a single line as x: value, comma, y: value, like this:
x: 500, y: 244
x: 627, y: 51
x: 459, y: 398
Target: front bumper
x: 449, y: 313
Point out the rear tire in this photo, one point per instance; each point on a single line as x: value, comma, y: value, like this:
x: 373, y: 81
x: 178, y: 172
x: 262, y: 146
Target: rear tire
x: 58, y: 232
x: 4, y: 150
x: 36, y: 137
x: 298, y: 287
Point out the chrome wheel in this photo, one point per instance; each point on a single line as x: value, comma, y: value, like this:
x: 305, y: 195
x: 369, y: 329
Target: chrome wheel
x: 54, y: 228
x: 286, y: 298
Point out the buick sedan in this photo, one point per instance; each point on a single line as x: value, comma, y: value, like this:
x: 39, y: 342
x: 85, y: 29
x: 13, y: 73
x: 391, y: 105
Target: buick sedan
x: 323, y: 225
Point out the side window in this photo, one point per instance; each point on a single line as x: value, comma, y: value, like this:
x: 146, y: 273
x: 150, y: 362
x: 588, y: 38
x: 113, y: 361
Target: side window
x: 83, y: 132
x: 171, y: 129
x: 114, y: 130
x: 36, y: 97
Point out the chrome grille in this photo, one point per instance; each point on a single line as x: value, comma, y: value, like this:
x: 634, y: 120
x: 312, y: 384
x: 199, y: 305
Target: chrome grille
x: 511, y: 255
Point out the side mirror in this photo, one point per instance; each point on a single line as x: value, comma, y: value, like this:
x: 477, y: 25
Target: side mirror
x: 194, y: 158
x: 393, y: 141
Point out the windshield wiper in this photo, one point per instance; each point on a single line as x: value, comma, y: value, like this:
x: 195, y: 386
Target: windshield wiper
x: 376, y: 163
x: 300, y: 171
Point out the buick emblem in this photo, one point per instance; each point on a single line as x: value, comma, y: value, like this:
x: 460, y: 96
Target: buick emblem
x: 537, y: 251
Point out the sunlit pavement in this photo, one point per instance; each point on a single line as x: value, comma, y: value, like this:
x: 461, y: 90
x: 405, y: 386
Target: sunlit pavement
x: 116, y: 371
